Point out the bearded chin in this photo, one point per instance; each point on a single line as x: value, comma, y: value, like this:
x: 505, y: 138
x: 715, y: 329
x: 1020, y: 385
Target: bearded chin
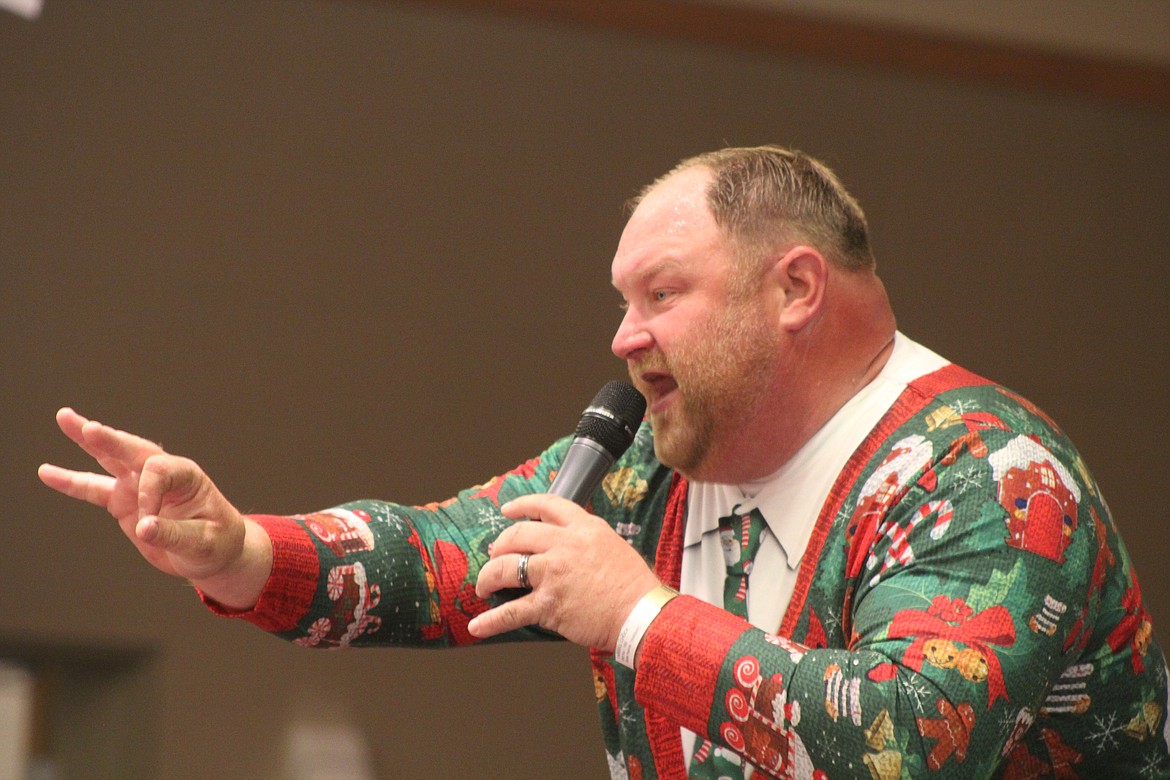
x: 718, y: 377
x: 682, y: 438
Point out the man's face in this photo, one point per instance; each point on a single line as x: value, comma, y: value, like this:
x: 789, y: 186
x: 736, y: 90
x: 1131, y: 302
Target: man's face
x: 699, y: 350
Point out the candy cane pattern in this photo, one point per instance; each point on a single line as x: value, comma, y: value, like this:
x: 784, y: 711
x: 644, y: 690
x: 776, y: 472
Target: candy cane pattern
x: 741, y: 593
x: 353, y: 596
x: 900, y: 551
x: 744, y: 542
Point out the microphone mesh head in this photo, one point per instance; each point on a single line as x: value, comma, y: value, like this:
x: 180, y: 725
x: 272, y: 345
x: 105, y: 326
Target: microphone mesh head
x: 613, y: 417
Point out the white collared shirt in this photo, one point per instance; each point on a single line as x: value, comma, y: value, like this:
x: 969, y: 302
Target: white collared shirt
x: 789, y: 500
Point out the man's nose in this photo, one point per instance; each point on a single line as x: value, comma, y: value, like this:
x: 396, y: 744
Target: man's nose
x: 631, y: 337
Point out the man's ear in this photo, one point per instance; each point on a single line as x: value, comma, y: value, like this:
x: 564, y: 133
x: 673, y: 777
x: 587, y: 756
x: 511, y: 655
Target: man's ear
x: 801, y: 276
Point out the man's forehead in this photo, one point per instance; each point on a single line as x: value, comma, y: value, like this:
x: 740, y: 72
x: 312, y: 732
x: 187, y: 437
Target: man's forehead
x: 675, y: 209
x: 685, y: 189
x: 671, y: 220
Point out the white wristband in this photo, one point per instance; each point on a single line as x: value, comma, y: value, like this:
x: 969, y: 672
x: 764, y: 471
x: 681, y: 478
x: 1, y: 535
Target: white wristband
x: 641, y: 616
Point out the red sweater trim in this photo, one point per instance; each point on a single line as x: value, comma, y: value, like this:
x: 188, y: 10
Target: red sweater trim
x: 288, y: 594
x: 675, y: 672
x: 662, y: 733
x: 949, y: 377
x: 668, y: 557
x: 913, y: 399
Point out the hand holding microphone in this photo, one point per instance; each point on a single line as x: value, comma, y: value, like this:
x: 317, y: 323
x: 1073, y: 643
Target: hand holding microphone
x: 584, y: 577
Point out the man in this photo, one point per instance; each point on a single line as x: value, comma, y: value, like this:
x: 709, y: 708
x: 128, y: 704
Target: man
x: 889, y: 566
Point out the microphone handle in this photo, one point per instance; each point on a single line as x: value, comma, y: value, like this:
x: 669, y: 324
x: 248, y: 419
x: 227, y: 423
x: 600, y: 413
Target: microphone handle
x: 585, y: 465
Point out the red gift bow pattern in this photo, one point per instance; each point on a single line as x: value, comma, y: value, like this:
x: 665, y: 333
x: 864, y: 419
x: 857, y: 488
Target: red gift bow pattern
x: 952, y: 619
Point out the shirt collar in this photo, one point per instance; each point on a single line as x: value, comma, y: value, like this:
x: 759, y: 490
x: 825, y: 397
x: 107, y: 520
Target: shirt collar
x: 707, y: 502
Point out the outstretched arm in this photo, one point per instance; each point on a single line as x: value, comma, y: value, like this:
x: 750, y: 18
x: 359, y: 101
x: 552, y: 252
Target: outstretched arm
x: 169, y: 508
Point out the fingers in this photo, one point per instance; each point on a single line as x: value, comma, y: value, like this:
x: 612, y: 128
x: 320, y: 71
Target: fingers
x: 194, y: 549
x: 185, y: 539
x: 555, y: 515
x: 504, y: 572
x: 168, y: 507
x: 118, y: 452
x: 181, y: 513
x: 73, y: 425
x: 525, y: 537
x: 545, y: 507
x: 70, y: 423
x: 94, y: 488
x: 509, y: 616
x: 513, y: 570
x: 584, y: 577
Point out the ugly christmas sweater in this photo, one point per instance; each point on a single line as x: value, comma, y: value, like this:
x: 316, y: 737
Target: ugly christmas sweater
x: 965, y: 607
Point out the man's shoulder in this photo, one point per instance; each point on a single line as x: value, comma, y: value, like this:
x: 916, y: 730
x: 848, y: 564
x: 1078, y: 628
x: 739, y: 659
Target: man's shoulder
x: 954, y: 395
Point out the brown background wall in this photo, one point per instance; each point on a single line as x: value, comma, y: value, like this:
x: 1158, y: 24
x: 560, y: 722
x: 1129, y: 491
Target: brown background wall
x: 342, y: 249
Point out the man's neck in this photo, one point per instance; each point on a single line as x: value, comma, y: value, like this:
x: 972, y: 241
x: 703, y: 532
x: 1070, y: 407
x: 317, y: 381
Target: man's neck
x: 819, y: 366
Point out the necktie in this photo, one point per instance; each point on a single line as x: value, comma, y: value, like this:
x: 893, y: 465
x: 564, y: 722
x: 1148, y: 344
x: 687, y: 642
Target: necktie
x: 739, y: 535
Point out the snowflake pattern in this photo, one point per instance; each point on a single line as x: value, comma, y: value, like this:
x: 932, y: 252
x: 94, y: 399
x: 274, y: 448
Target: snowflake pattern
x: 1105, y: 731
x: 1007, y: 721
x: 1160, y: 673
x: 1154, y: 765
x: 967, y: 480
x: 628, y: 717
x: 832, y: 622
x: 965, y: 406
x: 830, y: 742
x: 916, y: 688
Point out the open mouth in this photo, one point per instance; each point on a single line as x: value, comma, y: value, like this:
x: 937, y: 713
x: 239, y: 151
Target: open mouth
x: 658, y: 387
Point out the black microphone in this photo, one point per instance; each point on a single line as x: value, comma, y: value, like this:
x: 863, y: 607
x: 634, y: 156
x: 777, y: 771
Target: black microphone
x: 606, y: 430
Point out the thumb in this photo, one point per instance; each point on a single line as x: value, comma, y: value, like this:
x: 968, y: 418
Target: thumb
x: 195, y: 548
x: 181, y: 538
x: 182, y: 515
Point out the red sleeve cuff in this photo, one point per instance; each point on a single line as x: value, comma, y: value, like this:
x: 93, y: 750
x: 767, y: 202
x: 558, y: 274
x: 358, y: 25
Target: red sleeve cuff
x: 288, y: 594
x: 682, y: 654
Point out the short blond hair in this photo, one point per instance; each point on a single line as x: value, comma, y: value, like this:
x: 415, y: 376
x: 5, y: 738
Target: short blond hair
x: 766, y: 196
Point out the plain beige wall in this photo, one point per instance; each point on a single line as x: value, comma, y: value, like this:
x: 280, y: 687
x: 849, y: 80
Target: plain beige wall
x: 339, y: 249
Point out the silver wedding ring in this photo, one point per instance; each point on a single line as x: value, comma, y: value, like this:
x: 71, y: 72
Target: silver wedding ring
x: 522, y: 572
